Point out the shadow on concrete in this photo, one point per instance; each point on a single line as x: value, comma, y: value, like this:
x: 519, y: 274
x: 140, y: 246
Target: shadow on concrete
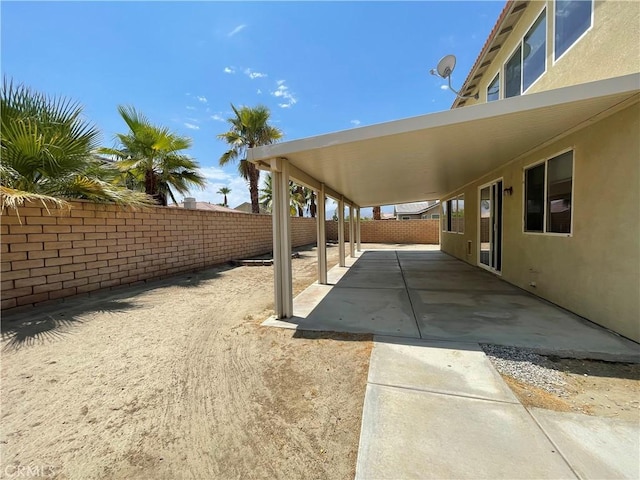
x: 429, y: 295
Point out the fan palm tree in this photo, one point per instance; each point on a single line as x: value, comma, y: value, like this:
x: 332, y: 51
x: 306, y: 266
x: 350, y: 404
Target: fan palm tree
x: 296, y: 201
x: 224, y: 191
x: 150, y: 157
x: 249, y: 127
x: 48, y: 155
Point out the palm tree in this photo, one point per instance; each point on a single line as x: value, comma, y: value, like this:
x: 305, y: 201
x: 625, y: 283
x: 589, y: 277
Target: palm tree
x: 295, y: 200
x: 48, y: 155
x: 150, y: 157
x: 224, y: 191
x: 248, y: 128
x: 376, y: 213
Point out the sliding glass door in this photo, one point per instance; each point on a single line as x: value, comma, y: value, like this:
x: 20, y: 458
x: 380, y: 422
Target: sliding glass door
x: 490, y: 221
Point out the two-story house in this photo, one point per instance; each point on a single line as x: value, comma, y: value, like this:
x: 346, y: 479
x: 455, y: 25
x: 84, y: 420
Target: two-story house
x: 538, y: 178
x: 561, y: 222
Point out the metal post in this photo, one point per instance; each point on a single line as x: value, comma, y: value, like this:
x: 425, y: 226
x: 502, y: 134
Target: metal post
x: 341, y: 231
x: 358, y: 247
x: 281, y: 238
x: 322, y: 237
x: 352, y: 239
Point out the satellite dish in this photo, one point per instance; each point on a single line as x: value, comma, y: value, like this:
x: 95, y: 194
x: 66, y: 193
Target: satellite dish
x: 446, y: 66
x: 445, y: 69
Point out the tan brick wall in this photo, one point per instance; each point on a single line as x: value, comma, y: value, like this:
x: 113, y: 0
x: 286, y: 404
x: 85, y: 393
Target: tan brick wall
x: 391, y: 231
x: 55, y: 254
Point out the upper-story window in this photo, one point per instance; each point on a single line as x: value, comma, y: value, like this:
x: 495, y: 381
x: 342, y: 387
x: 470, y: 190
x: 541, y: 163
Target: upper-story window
x: 493, y: 90
x: 529, y: 61
x: 572, y: 19
x: 534, y: 51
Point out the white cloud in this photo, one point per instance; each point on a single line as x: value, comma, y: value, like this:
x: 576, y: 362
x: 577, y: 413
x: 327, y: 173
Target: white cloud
x: 253, y: 75
x: 217, y: 117
x: 202, y: 99
x: 283, y: 93
x: 229, y: 70
x: 355, y: 122
x: 191, y: 126
x: 259, y: 92
x: 238, y: 29
x: 444, y: 87
x: 189, y: 107
x: 218, y: 178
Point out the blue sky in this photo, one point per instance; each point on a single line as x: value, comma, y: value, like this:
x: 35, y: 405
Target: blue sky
x: 319, y: 67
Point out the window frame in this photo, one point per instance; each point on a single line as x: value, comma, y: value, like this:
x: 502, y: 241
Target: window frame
x: 499, y: 78
x: 577, y: 40
x: 447, y: 215
x: 545, y: 162
x: 520, y: 45
x: 544, y: 12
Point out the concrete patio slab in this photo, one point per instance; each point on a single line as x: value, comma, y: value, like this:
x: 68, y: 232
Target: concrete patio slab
x: 454, y: 279
x: 413, y: 434
x: 384, y: 311
x: 516, y: 319
x: 596, y: 447
x: 372, y: 278
x: 445, y: 367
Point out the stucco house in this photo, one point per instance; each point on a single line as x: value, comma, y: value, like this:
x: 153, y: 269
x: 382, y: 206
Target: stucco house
x: 538, y: 178
x: 417, y: 210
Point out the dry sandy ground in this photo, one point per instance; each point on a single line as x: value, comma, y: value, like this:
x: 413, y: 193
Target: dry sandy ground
x: 176, y: 379
x: 605, y: 389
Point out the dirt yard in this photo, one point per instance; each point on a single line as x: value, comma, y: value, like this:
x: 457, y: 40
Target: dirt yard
x: 592, y: 387
x: 176, y: 379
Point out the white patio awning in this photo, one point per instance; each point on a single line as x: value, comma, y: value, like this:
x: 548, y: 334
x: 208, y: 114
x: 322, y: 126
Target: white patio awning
x: 426, y: 157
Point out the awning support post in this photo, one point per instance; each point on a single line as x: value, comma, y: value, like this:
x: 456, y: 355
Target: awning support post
x: 342, y: 262
x: 281, y: 238
x: 352, y: 239
x: 358, y: 247
x: 321, y: 216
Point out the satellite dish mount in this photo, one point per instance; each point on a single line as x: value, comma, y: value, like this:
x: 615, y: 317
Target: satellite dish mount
x: 445, y: 69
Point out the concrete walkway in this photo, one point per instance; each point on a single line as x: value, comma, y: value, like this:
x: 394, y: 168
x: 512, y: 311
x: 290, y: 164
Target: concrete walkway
x: 434, y: 406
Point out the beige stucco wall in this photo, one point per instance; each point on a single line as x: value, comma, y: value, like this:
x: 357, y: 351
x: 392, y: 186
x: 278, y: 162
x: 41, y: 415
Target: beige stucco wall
x: 595, y: 272
x: 611, y: 48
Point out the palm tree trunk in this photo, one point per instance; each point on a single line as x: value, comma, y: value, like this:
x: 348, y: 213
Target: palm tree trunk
x: 312, y: 204
x: 151, y: 187
x: 225, y: 200
x: 376, y: 213
x: 254, y: 179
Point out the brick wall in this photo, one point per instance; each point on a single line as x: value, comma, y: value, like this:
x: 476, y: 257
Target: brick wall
x: 55, y: 254
x: 391, y: 231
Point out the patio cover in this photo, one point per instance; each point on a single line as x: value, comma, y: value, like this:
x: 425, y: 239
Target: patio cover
x: 426, y: 157
x: 422, y: 158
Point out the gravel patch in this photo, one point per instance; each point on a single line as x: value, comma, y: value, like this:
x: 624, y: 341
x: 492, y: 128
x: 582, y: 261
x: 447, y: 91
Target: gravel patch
x: 526, y: 366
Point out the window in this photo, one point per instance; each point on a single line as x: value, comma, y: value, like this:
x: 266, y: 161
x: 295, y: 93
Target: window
x: 529, y: 61
x: 446, y: 218
x: 512, y: 69
x: 461, y: 214
x: 572, y: 19
x: 534, y: 54
x: 435, y: 216
x: 493, y: 90
x: 549, y: 194
x: 404, y: 217
x: 453, y: 213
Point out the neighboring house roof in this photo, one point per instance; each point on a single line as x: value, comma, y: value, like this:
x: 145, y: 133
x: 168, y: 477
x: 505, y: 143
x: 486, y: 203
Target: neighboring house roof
x: 509, y: 16
x: 207, y: 206
x: 415, y: 208
x: 246, y: 208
